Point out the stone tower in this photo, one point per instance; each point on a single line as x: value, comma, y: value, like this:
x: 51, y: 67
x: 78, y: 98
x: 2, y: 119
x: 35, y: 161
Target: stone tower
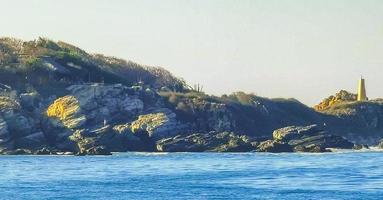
x: 362, y: 90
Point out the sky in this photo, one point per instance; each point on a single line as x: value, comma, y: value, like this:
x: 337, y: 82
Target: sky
x: 303, y: 49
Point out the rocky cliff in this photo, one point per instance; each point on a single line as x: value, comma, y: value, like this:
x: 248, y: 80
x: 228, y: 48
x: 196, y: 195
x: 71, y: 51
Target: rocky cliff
x: 359, y: 121
x: 57, y: 98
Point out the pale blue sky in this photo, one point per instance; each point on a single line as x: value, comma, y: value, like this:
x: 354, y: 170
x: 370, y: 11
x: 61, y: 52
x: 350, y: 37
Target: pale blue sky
x: 307, y: 49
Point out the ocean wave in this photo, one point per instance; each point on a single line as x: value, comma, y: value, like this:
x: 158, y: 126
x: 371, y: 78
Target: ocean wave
x: 140, y: 153
x: 370, y: 149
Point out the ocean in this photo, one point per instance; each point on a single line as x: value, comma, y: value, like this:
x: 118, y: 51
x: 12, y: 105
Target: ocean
x: 341, y: 175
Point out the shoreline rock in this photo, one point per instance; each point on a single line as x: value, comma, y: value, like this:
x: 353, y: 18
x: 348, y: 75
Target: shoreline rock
x: 207, y: 142
x: 304, y: 139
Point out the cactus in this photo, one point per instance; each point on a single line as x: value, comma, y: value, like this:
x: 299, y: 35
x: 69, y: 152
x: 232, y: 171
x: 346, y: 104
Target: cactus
x: 198, y: 88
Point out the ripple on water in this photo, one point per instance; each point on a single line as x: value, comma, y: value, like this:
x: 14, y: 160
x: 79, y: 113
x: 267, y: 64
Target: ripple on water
x: 338, y: 175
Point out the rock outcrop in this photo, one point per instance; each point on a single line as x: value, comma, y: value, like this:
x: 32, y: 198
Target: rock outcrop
x: 340, y: 97
x: 67, y: 110
x: 303, y: 139
x: 360, y: 122
x: 113, y: 117
x: 107, y: 139
x: 99, y: 119
x: 5, y: 137
x: 293, y: 132
x: 18, y: 129
x: 274, y: 146
x: 159, y: 124
x: 213, y: 141
x: 85, y: 118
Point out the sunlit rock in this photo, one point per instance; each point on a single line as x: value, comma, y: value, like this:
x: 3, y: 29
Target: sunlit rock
x: 67, y: 110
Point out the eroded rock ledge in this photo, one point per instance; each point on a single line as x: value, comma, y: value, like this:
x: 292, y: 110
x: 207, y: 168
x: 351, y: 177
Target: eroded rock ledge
x: 208, y: 142
x: 304, y: 139
x: 288, y: 139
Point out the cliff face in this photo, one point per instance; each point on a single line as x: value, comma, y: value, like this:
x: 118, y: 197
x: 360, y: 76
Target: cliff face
x: 357, y: 120
x: 18, y: 129
x: 55, y: 97
x: 99, y: 118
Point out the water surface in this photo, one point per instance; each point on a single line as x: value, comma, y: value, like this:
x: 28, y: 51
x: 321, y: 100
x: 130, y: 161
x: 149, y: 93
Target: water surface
x: 347, y: 175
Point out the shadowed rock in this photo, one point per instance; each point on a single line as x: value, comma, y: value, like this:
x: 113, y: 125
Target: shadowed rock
x: 274, y: 146
x: 380, y: 145
x: 293, y: 132
x: 304, y: 139
x: 213, y: 141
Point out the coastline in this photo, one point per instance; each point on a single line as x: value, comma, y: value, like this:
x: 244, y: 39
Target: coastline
x: 373, y: 149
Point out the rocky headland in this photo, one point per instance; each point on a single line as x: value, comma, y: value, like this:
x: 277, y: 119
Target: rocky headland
x: 58, y: 99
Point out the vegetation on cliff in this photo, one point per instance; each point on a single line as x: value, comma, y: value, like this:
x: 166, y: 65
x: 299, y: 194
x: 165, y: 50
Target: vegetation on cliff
x: 47, y: 65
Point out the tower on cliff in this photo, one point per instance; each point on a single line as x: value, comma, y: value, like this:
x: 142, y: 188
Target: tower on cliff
x: 362, y: 90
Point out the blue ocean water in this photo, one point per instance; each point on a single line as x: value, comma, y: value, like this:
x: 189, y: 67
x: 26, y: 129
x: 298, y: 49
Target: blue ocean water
x: 351, y: 175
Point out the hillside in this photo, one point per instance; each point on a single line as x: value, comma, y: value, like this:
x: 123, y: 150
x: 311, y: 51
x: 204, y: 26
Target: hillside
x: 44, y: 65
x: 55, y: 97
